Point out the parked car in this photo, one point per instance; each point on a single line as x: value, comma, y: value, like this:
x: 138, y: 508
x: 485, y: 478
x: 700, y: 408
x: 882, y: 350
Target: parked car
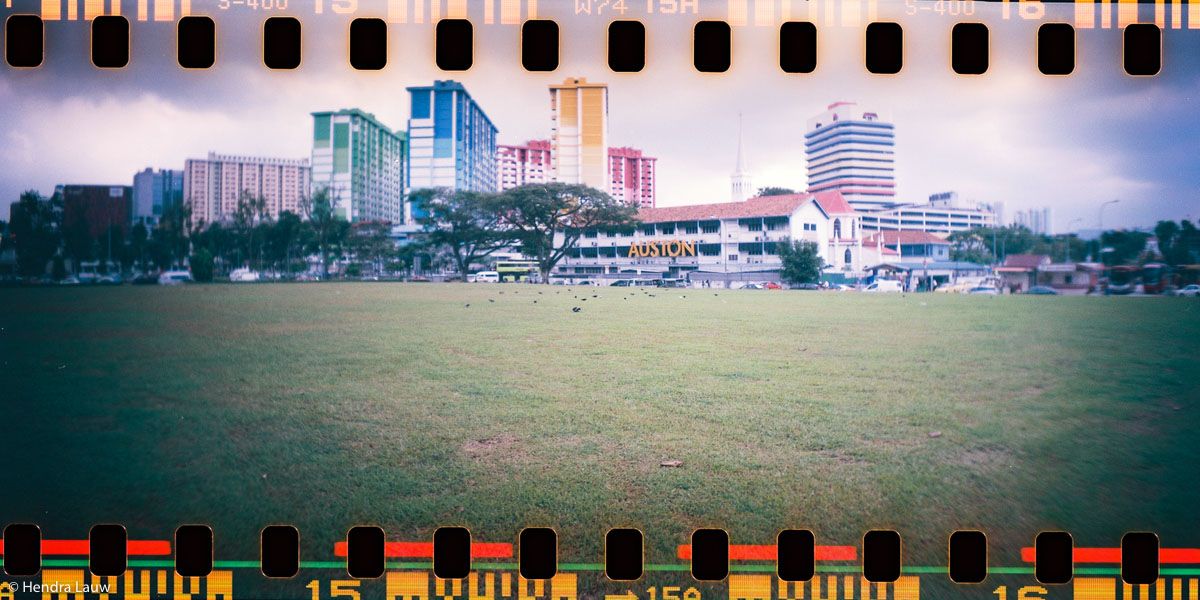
x: 487, y: 277
x: 418, y: 279
x: 145, y: 279
x: 175, y: 278
x: 885, y: 285
x: 801, y: 286
x: 985, y: 290
x: 771, y: 285
x: 69, y: 281
x: 369, y: 278
x: 1041, y: 290
x: 1188, y: 290
x: 753, y: 286
x: 112, y: 279
x: 244, y: 275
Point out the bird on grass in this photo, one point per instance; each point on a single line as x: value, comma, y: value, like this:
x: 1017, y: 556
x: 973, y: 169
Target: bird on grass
x: 467, y: 305
x: 490, y: 300
x: 575, y: 309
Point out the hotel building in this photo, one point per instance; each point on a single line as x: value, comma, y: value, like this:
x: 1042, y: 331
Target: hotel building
x: 943, y: 214
x: 527, y: 163
x: 214, y: 185
x: 631, y: 177
x: 851, y: 149
x: 362, y: 163
x: 452, y: 142
x: 154, y: 191
x: 723, y: 243
x: 579, y: 132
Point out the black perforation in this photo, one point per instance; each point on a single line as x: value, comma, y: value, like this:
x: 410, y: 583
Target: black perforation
x: 1056, y: 49
x: 711, y: 46
x: 626, y: 46
x: 368, y: 44
x: 23, y: 40
x: 453, y: 45
x: 710, y: 554
x: 969, y: 48
x: 623, y: 552
x: 885, y: 48
x: 110, y: 42
x: 197, y: 42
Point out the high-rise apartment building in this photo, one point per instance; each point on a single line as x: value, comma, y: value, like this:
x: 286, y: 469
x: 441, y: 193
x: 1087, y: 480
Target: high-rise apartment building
x: 631, y: 177
x: 154, y: 192
x: 851, y: 149
x: 526, y: 163
x: 213, y: 186
x: 452, y: 143
x: 579, y: 132
x: 362, y: 163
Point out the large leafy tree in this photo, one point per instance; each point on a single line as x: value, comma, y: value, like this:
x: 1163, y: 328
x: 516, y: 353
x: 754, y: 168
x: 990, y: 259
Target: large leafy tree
x: 326, y: 224
x: 470, y: 225
x: 33, y: 229
x: 370, y: 243
x: 171, y: 235
x: 534, y: 213
x: 801, y: 261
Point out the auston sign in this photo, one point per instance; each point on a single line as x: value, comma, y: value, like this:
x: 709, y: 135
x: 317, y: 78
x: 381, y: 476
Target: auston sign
x: 662, y: 248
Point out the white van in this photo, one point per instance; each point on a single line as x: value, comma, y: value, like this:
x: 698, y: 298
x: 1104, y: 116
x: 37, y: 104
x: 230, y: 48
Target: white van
x: 487, y: 277
x: 174, y: 277
x: 243, y: 274
x: 884, y: 285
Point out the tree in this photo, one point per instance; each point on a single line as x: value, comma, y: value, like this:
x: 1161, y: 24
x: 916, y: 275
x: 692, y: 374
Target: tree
x: 171, y: 235
x: 282, y: 238
x: 202, y: 265
x: 470, y: 224
x: 1126, y: 246
x: 369, y: 241
x: 250, y: 211
x: 774, y: 191
x: 321, y: 214
x: 534, y: 213
x: 137, y: 242
x: 32, y: 226
x: 801, y: 261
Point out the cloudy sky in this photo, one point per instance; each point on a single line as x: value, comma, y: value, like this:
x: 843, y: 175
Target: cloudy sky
x: 1011, y: 135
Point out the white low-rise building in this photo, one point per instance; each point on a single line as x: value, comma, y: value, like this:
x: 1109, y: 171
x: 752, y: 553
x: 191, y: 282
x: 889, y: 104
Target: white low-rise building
x: 720, y: 243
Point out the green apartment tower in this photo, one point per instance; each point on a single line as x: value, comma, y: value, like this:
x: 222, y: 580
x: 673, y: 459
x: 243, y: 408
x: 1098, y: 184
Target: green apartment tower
x: 362, y: 162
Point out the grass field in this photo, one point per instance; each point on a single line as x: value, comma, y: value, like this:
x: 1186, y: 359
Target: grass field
x: 331, y: 405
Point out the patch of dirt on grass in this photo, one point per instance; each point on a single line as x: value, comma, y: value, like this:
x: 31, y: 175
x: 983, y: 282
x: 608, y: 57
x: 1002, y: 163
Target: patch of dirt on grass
x: 984, y: 458
x: 489, y: 446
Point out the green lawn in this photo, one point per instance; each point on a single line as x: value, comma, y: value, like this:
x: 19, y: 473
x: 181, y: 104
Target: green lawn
x: 331, y: 405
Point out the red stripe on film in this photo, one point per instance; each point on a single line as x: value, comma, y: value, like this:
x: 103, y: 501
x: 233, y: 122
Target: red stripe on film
x: 425, y: 550
x: 80, y: 547
x: 1113, y: 555
x: 748, y: 552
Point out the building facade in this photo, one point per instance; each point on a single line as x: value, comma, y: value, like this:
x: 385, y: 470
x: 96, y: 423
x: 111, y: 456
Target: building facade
x: 631, y: 177
x: 363, y: 164
x: 579, y: 132
x: 523, y: 164
x: 213, y: 186
x: 851, y: 149
x: 944, y: 213
x: 452, y: 142
x: 155, y: 191
x: 1037, y: 220
x: 723, y: 243
x: 96, y: 207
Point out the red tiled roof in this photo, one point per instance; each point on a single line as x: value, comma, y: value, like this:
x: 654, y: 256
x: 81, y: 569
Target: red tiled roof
x: 1025, y: 261
x: 834, y: 203
x: 891, y: 237
x: 763, y: 206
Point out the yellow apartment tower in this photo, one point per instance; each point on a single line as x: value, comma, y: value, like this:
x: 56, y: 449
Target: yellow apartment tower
x: 579, y: 132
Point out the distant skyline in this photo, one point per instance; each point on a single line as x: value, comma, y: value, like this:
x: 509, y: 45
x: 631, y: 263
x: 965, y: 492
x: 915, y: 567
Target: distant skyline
x: 1011, y: 135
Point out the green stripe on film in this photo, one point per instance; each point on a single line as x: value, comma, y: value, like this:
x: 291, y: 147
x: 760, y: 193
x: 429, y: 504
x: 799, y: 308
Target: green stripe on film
x: 1010, y: 570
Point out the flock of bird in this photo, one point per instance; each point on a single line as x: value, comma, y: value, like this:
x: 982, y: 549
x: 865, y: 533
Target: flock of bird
x: 627, y: 296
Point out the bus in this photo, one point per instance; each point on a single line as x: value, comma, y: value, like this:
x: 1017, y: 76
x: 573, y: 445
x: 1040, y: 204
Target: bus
x: 1122, y: 279
x: 1156, y: 277
x: 517, y: 270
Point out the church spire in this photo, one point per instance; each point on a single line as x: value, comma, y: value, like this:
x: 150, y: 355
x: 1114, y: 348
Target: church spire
x: 741, y: 187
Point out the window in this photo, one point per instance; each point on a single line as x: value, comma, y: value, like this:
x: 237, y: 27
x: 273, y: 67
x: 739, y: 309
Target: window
x: 732, y: 258
x: 690, y: 229
x: 648, y: 230
x: 667, y: 229
x: 837, y: 228
x: 710, y: 226
x: 848, y: 259
x: 589, y: 233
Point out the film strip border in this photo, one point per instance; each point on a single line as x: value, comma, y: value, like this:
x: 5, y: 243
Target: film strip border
x: 452, y: 554
x: 741, y: 13
x: 626, y: 44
